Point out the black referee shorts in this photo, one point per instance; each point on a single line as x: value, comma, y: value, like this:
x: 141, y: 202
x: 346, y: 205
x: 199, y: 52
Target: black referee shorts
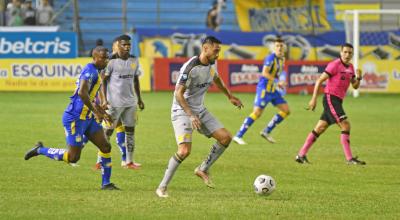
x: 333, y: 109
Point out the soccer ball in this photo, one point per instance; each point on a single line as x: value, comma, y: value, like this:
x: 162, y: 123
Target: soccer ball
x: 264, y: 185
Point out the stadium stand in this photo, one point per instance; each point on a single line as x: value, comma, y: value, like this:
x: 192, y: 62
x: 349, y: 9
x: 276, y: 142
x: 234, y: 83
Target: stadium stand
x: 140, y: 13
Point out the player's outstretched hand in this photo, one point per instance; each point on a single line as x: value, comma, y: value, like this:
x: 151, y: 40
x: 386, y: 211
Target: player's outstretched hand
x: 282, y: 84
x: 101, y: 114
x: 98, y: 115
x: 140, y: 104
x: 196, y: 123
x: 104, y: 105
x: 107, y: 118
x: 236, y: 102
x: 311, y: 105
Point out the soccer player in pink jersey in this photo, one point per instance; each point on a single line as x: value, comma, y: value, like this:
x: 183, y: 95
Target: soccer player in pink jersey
x: 339, y: 73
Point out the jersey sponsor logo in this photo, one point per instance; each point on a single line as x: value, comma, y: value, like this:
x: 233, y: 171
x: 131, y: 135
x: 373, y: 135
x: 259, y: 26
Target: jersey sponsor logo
x: 202, y: 85
x: 127, y: 76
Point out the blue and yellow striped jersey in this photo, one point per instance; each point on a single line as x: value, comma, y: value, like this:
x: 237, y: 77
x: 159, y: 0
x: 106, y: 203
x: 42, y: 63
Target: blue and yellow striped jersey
x: 76, y: 107
x: 276, y: 67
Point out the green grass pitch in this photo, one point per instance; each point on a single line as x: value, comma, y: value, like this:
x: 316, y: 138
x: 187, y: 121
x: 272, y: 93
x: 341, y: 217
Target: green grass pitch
x: 328, y: 188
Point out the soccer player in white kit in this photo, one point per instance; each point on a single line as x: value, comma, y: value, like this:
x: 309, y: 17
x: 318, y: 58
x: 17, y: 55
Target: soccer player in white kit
x: 188, y: 112
x: 122, y: 94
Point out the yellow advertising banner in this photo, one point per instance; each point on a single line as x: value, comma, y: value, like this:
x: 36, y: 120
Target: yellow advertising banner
x: 281, y: 15
x: 380, y: 76
x: 145, y: 79
x: 156, y: 47
x: 50, y: 74
x: 340, y: 8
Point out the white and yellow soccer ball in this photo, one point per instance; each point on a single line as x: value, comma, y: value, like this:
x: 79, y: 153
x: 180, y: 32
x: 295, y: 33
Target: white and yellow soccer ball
x: 264, y: 185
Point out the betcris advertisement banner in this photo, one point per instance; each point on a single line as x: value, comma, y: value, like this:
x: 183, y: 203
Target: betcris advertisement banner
x: 38, y: 45
x: 52, y: 74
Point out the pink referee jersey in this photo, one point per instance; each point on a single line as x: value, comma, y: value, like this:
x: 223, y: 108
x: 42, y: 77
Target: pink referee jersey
x: 340, y: 76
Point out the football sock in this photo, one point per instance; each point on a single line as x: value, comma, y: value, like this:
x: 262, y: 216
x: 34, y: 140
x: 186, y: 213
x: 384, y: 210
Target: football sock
x: 98, y: 158
x: 54, y: 153
x: 108, y: 139
x: 311, y: 138
x: 278, y: 118
x: 216, y: 150
x: 246, y: 124
x: 106, y: 165
x: 345, y: 140
x: 173, y: 165
x: 85, y: 140
x: 130, y: 145
x: 121, y: 141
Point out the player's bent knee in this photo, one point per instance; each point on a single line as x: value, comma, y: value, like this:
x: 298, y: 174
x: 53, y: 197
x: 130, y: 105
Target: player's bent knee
x: 226, y: 139
x: 321, y: 129
x: 257, y: 114
x: 345, y: 125
x: 73, y: 158
x: 109, y: 132
x: 184, y: 153
x: 184, y: 150
x: 106, y: 148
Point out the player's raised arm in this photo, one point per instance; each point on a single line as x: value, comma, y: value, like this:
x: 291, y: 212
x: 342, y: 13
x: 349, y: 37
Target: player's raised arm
x: 220, y: 84
x: 313, y: 102
x: 355, y: 82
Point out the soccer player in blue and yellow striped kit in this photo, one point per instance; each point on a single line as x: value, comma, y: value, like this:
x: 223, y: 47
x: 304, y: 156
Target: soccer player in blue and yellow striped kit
x: 82, y: 117
x: 267, y: 91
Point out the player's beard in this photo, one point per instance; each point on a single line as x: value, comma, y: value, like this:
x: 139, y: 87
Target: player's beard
x: 212, y: 60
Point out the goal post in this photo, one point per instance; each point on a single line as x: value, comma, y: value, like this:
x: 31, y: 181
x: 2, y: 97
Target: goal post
x: 371, y: 27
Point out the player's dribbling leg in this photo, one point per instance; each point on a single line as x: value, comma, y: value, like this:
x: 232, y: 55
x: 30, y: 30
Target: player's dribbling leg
x: 223, y: 138
x: 98, y: 138
x: 173, y: 164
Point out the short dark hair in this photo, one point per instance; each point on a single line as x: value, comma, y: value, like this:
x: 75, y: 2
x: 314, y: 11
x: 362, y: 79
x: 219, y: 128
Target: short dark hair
x: 99, y: 49
x: 123, y: 37
x: 349, y: 45
x: 279, y: 40
x: 210, y: 40
x: 99, y: 42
